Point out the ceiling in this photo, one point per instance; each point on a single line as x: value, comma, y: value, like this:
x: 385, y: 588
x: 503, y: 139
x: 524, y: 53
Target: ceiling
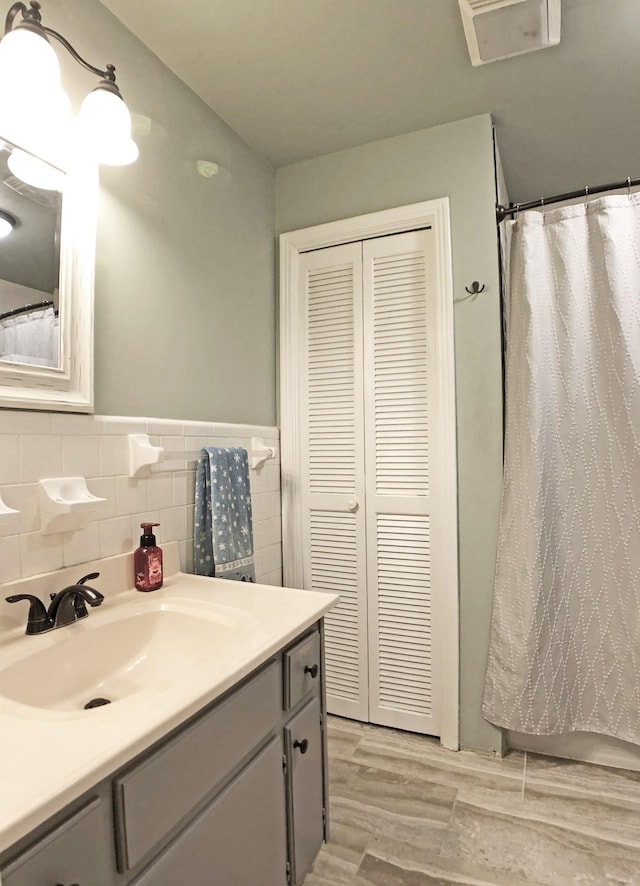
x: 300, y: 78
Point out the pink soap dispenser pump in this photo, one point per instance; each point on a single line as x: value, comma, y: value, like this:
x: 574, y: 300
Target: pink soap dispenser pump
x: 147, y: 560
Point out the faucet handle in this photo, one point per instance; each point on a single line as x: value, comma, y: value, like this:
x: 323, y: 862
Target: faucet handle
x: 90, y: 577
x: 38, y: 620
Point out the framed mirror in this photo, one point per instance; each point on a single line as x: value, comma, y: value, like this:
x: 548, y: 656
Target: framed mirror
x: 46, y: 283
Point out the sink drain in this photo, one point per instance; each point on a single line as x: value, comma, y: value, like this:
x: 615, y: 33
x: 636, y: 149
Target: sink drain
x: 97, y: 703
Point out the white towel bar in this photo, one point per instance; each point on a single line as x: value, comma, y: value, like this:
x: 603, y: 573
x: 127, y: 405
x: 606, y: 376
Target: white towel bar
x: 143, y: 455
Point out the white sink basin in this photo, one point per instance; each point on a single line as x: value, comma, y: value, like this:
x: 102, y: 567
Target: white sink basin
x: 116, y: 656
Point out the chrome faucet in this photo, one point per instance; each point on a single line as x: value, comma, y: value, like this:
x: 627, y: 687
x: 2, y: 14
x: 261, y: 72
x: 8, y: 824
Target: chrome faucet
x: 67, y: 606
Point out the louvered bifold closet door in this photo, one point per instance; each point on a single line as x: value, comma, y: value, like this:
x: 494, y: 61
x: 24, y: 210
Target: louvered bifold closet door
x: 332, y: 482
x: 399, y: 280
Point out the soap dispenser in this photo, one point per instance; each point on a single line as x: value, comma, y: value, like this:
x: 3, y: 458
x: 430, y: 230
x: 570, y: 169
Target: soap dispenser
x: 147, y: 560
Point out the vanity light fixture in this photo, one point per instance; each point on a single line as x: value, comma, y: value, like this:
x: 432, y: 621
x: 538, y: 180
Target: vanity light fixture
x: 34, y: 171
x: 7, y: 224
x: 28, y: 59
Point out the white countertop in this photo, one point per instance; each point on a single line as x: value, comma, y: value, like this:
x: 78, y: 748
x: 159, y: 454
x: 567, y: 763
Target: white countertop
x: 50, y: 757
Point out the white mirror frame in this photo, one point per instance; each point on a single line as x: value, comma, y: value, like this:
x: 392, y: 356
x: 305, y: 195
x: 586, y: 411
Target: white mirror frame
x: 69, y: 386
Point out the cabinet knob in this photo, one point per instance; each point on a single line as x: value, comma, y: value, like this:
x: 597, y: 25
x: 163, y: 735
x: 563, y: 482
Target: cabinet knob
x: 303, y: 745
x: 352, y: 506
x: 312, y: 670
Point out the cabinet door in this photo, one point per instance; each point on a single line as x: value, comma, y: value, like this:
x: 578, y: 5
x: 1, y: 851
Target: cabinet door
x: 77, y: 852
x: 238, y: 840
x: 157, y: 794
x: 306, y: 810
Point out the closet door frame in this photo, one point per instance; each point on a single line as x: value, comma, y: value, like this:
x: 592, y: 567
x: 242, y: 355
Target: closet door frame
x: 433, y: 214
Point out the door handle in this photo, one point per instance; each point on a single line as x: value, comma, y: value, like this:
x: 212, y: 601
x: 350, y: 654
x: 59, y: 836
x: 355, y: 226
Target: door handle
x: 302, y: 745
x: 352, y: 506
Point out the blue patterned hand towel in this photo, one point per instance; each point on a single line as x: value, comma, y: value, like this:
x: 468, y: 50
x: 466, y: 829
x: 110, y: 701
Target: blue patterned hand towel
x: 223, y: 531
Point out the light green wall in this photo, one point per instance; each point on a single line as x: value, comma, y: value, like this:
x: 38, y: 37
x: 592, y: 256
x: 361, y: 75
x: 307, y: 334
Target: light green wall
x: 185, y: 293
x: 454, y: 161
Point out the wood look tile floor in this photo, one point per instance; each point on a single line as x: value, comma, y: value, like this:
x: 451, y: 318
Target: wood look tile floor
x: 405, y: 812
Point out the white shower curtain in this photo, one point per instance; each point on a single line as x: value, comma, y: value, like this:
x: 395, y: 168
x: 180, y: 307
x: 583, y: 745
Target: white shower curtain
x: 30, y: 337
x: 565, y: 637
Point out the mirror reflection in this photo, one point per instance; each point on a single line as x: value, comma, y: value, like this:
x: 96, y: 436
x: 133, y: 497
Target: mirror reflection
x: 30, y: 215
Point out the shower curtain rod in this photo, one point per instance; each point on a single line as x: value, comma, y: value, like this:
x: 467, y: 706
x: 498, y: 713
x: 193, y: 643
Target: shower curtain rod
x: 25, y: 309
x: 503, y: 212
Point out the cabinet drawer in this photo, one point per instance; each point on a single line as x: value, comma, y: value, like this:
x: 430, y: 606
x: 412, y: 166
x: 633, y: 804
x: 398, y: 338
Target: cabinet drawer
x: 77, y: 851
x: 239, y: 839
x: 303, y: 737
x: 152, y: 798
x: 302, y: 669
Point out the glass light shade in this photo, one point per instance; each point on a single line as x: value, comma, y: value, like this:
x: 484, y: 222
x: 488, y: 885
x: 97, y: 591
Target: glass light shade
x: 34, y: 171
x: 7, y: 223
x: 105, y: 124
x: 28, y: 59
x: 31, y: 99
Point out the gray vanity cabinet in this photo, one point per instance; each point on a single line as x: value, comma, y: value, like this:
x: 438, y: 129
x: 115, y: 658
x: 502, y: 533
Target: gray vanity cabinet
x: 78, y: 851
x: 239, y: 839
x: 236, y: 796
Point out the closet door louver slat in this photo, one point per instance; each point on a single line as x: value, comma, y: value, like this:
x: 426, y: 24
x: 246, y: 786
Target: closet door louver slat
x: 404, y: 619
x: 398, y: 329
x: 333, y: 467
x: 337, y: 570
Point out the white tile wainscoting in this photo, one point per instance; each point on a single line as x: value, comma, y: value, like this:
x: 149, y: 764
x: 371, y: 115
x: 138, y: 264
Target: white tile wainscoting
x: 40, y: 445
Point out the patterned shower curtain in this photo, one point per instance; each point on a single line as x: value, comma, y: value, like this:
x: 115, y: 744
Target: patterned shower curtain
x: 565, y: 638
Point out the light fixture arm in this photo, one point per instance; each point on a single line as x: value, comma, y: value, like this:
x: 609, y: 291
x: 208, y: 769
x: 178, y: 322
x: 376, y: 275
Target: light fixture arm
x: 30, y: 15
x: 32, y: 19
x: 108, y: 74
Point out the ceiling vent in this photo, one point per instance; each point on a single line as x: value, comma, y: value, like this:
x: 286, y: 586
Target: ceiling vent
x: 498, y: 29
